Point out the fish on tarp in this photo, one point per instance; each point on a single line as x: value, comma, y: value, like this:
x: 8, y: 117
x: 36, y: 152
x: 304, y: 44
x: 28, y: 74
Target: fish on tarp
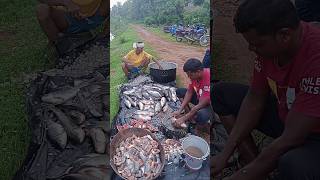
x: 145, y: 94
x: 155, y: 94
x: 57, y: 133
x: 163, y: 101
x: 142, y: 117
x: 132, y: 102
x: 127, y: 102
x: 60, y: 96
x: 73, y: 131
x: 141, y: 105
x: 77, y: 117
x: 145, y: 113
x: 157, y: 107
x: 104, y: 125
x: 173, y: 94
x: 99, y: 139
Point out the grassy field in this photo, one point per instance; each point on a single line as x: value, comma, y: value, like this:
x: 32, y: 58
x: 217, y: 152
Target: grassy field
x: 119, y: 47
x: 22, y: 51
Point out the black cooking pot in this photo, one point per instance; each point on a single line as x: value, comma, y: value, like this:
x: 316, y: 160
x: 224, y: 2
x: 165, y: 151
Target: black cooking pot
x: 168, y: 74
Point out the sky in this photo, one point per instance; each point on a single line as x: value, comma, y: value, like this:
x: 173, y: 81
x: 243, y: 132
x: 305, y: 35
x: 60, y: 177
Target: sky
x: 114, y: 2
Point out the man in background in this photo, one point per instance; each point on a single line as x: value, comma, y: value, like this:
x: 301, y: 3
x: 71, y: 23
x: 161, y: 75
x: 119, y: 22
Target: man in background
x: 136, y: 61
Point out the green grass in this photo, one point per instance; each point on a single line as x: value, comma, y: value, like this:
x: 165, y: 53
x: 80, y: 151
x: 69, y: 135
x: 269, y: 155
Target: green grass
x: 22, y: 51
x: 119, y: 47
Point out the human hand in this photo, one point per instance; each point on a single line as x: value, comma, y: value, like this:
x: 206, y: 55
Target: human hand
x: 180, y: 123
x: 176, y: 113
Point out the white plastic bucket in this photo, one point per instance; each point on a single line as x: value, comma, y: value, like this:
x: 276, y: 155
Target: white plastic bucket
x: 192, y: 162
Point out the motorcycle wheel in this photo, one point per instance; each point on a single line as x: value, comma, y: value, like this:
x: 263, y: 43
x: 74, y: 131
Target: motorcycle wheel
x: 178, y: 39
x: 204, y: 40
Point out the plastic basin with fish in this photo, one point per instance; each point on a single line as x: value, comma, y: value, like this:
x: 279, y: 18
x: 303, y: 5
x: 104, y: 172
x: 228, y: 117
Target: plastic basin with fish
x: 165, y: 75
x: 123, y: 135
x: 195, y: 163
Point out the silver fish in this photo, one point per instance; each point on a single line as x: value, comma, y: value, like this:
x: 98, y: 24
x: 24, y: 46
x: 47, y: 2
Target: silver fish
x: 147, y: 102
x: 57, y: 133
x: 157, y: 108
x: 142, y: 117
x: 129, y: 92
x: 141, y: 105
x: 155, y: 94
x: 145, y: 95
x: 132, y: 102
x: 99, y: 139
x: 127, y: 103
x: 73, y: 131
x: 163, y: 101
x: 173, y: 93
x: 145, y: 113
x: 165, y: 107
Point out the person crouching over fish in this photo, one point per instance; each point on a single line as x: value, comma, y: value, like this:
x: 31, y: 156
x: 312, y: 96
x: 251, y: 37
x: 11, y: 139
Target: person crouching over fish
x: 136, y: 61
x: 198, y: 93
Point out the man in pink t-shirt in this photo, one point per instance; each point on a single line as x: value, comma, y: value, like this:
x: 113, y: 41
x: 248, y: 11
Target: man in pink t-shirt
x: 283, y: 100
x: 198, y: 93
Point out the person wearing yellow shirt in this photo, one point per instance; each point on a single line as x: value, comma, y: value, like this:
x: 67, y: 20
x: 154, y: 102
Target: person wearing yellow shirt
x: 136, y: 60
x: 58, y: 18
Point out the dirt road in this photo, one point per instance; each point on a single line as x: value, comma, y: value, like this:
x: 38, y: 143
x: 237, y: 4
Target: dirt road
x: 171, y: 51
x: 234, y: 62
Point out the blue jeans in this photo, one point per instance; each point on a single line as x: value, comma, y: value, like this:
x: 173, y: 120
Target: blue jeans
x: 83, y: 25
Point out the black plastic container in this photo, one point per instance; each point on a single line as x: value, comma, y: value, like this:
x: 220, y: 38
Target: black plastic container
x: 168, y: 74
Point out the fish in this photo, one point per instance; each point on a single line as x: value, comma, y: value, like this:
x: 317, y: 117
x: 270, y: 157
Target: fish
x: 163, y: 101
x: 57, y: 133
x: 129, y: 92
x: 60, y: 96
x: 155, y: 94
x: 173, y: 94
x: 145, y: 95
x: 99, y: 139
x: 143, y: 117
x: 104, y: 125
x: 165, y: 108
x: 73, y: 131
x: 132, y: 102
x: 127, y: 103
x: 157, y: 107
x: 146, y: 113
x: 77, y: 117
x: 147, y: 102
x: 137, y: 157
x: 141, y: 105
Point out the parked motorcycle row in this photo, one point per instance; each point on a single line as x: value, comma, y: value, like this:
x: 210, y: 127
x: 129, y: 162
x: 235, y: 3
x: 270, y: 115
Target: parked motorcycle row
x: 192, y: 33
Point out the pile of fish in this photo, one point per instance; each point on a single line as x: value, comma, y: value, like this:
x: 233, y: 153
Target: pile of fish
x: 148, y: 99
x: 173, y: 150
x: 138, y: 124
x: 74, y: 112
x: 138, y: 158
